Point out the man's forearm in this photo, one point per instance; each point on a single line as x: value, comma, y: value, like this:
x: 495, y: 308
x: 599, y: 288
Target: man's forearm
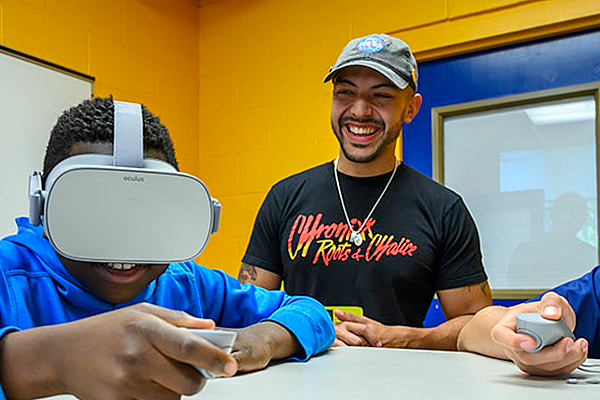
x: 442, y: 337
x: 476, y: 335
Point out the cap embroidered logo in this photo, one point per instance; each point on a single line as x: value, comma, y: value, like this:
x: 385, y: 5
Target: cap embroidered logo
x: 371, y: 44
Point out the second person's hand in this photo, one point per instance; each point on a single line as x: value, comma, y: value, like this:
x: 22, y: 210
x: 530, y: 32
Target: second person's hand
x: 559, y: 359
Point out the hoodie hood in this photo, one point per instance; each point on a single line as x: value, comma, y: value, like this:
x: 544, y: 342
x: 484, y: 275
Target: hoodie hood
x: 70, y: 289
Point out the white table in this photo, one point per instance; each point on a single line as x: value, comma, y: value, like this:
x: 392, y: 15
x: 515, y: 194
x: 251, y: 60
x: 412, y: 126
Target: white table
x: 399, y: 374
x: 371, y: 373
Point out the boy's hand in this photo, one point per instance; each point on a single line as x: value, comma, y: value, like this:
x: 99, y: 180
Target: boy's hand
x: 558, y: 359
x: 258, y: 344
x: 134, y: 352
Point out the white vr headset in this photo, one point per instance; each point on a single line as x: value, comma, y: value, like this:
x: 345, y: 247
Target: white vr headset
x: 123, y: 208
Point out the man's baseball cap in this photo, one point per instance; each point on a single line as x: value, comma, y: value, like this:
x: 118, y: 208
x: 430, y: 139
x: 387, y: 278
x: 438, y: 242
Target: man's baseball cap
x: 387, y: 55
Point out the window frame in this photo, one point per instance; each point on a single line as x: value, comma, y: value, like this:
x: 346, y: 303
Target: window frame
x: 531, y: 98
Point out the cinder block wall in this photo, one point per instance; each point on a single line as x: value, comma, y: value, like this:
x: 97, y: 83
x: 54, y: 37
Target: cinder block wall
x: 264, y: 111
x: 238, y: 82
x: 143, y: 51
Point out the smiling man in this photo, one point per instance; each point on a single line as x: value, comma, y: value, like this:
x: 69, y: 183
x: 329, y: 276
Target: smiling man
x: 366, y: 232
x: 111, y: 330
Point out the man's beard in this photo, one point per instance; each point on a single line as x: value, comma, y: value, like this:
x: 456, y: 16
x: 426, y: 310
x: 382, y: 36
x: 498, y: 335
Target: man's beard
x: 391, y: 137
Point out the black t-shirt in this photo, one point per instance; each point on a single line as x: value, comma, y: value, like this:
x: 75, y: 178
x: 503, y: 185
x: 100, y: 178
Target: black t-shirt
x: 420, y: 238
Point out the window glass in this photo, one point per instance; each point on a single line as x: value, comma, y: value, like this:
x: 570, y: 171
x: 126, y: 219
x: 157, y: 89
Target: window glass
x: 528, y: 175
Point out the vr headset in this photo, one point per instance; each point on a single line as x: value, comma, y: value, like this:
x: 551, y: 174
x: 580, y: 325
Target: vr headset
x: 123, y: 208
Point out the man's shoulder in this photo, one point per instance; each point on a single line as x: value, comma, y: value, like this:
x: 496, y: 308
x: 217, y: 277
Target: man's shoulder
x: 428, y: 186
x: 311, y: 176
x: 307, y: 174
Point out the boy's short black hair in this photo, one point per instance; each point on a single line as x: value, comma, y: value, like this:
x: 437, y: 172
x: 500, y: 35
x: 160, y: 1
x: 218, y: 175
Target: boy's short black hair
x: 92, y: 121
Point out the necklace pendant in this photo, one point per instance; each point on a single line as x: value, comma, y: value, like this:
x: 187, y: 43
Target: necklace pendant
x: 356, y: 238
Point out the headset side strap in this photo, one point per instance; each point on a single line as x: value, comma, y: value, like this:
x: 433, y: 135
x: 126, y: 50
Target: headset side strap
x: 216, y: 215
x: 36, y: 197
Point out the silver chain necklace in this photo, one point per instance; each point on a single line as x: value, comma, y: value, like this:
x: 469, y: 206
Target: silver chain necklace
x: 355, y: 235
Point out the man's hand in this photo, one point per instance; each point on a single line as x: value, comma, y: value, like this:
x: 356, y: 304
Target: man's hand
x: 258, y: 344
x: 356, y: 330
x: 134, y: 352
x: 558, y: 359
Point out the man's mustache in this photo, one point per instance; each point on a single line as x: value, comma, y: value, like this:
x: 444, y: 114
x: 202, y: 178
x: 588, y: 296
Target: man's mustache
x: 371, y: 121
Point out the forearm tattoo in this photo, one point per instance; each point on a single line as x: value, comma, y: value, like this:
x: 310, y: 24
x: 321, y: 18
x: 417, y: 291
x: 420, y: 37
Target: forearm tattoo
x: 247, y: 273
x: 483, y: 286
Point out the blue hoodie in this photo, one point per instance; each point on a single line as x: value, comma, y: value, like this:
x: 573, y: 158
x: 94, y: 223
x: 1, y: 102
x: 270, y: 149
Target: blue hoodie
x: 36, y: 290
x: 583, y: 294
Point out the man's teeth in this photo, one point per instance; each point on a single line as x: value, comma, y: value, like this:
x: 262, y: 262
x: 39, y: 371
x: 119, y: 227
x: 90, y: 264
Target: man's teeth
x: 355, y: 130
x: 120, y: 266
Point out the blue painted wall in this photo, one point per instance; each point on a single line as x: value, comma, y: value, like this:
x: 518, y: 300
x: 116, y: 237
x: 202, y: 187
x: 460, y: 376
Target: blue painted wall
x: 546, y: 64
x: 551, y: 63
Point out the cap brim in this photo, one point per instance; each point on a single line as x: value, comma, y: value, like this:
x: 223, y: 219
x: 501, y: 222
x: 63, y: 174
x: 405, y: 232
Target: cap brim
x: 382, y: 69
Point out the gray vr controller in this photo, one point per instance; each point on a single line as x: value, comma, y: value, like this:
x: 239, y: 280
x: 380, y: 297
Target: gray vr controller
x: 222, y: 339
x: 545, y: 332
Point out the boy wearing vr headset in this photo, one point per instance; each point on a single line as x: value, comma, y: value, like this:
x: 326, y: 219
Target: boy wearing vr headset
x: 102, y: 330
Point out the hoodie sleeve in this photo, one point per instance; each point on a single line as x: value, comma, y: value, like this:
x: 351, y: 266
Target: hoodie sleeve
x: 583, y: 294
x: 232, y: 305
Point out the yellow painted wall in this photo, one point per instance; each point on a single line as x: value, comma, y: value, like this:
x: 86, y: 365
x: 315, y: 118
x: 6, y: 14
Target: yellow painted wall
x: 264, y: 111
x: 238, y: 82
x: 143, y: 51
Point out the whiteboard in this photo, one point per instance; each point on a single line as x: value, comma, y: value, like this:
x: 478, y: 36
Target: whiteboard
x: 32, y: 95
